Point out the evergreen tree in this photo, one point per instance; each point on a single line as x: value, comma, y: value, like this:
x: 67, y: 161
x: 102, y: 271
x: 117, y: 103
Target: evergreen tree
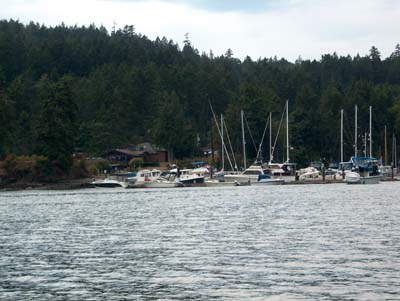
x: 57, y: 125
x: 171, y: 129
x: 6, y: 121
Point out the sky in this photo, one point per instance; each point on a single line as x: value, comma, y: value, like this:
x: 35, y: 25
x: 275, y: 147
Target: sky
x: 257, y: 28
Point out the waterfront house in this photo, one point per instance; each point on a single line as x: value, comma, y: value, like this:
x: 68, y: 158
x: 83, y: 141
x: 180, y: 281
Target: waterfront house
x: 119, y: 158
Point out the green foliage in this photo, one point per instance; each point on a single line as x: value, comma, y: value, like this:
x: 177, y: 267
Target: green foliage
x: 56, y: 127
x: 135, y: 163
x: 33, y: 168
x: 82, y: 88
x: 43, y: 170
x: 78, y: 169
x: 97, y: 167
x: 171, y: 129
x: 6, y: 124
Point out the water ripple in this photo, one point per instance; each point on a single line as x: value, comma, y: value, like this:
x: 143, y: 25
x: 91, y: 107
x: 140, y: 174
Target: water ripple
x: 314, y: 242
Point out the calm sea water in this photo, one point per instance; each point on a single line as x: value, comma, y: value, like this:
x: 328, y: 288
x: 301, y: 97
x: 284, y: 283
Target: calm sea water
x: 313, y: 242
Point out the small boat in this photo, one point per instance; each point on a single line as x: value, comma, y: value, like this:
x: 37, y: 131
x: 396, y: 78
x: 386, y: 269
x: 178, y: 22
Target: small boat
x: 189, y: 177
x: 142, y: 177
x: 166, y: 180
x: 268, y: 180
x: 309, y: 173
x: 216, y: 183
x: 109, y: 183
x: 364, y: 170
x: 254, y: 174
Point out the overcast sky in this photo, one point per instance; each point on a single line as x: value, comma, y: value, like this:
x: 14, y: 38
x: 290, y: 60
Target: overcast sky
x: 258, y: 28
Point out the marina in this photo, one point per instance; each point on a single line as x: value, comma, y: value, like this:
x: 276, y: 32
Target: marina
x: 180, y: 150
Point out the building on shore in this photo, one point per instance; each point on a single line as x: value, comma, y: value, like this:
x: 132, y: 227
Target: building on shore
x: 151, y: 156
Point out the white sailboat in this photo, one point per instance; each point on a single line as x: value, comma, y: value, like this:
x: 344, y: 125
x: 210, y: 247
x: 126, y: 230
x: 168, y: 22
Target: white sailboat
x: 255, y: 173
x: 285, y: 169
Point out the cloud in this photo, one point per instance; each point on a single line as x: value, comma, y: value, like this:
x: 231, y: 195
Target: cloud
x: 222, y: 5
x: 286, y: 29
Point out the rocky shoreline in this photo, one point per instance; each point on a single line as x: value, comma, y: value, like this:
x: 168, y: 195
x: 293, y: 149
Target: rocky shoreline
x: 60, y: 185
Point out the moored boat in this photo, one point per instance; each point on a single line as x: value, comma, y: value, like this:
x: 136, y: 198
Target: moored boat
x: 166, y: 180
x: 254, y: 174
x: 363, y: 170
x: 143, y: 177
x: 189, y: 177
x: 109, y: 183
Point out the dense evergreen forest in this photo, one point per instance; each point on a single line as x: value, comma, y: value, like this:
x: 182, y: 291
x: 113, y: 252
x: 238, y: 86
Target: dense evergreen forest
x: 66, y: 89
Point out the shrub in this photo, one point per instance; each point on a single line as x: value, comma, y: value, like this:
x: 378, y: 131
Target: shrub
x: 96, y: 167
x: 43, y: 169
x: 135, y: 163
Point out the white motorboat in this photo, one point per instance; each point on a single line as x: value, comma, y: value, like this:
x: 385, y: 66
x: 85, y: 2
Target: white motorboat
x: 189, y: 177
x: 166, y: 180
x: 216, y: 183
x: 109, y: 183
x: 143, y: 177
x: 309, y: 173
x: 268, y: 180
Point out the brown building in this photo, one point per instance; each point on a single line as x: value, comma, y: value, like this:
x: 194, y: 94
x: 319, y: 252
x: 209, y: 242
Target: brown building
x: 149, y: 154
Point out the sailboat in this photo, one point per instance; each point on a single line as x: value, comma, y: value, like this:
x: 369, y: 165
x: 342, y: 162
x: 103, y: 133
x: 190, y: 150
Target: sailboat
x: 255, y: 173
x: 281, y: 169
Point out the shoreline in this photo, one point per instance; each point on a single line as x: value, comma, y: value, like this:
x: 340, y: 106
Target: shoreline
x: 61, y: 185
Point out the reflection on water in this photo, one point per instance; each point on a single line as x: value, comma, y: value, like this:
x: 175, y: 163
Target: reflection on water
x: 325, y: 242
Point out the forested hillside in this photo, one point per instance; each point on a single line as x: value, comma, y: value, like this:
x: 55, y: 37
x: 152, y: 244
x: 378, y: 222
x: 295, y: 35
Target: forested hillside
x: 88, y: 90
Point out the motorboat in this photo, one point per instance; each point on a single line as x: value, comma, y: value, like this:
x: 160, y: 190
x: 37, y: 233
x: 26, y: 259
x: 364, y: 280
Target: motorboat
x: 109, y: 183
x: 217, y: 183
x: 362, y: 170
x: 309, y: 173
x: 143, y: 177
x: 165, y: 180
x: 268, y: 180
x: 190, y: 177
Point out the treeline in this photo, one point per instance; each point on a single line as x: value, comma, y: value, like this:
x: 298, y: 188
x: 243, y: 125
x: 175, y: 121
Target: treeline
x: 83, y: 89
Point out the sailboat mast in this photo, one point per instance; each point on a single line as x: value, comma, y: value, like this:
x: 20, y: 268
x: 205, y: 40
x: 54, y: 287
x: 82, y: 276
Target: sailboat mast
x: 270, y: 137
x: 355, y: 133
x: 287, y: 131
x: 341, y: 135
x: 385, y: 148
x: 394, y: 152
x: 370, y: 131
x: 243, y: 140
x: 365, y: 144
x: 222, y: 142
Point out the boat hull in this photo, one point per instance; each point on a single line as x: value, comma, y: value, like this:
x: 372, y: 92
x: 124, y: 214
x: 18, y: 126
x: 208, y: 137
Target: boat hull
x: 269, y: 182
x: 157, y: 184
x: 108, y: 184
x: 224, y: 184
x: 240, y: 178
x: 191, y: 181
x: 350, y: 179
